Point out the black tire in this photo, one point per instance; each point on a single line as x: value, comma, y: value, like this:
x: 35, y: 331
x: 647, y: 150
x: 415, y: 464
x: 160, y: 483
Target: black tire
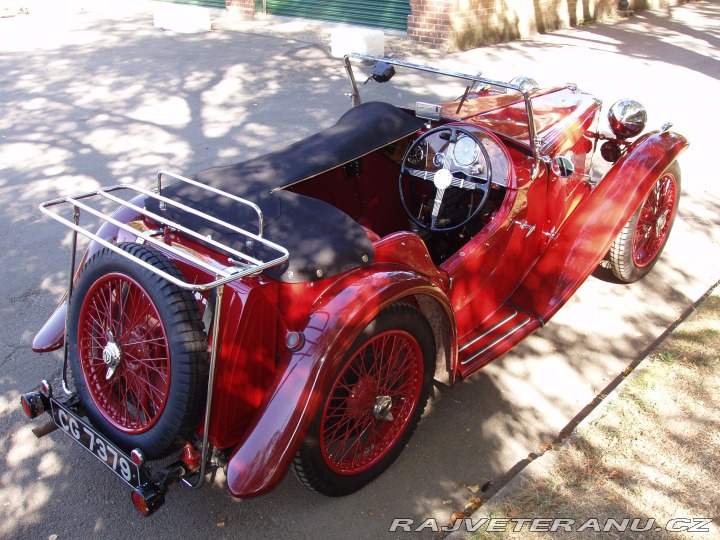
x: 125, y: 316
x: 374, y: 406
x: 639, y: 245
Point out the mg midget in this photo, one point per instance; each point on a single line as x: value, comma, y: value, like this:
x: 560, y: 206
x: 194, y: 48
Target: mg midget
x: 294, y: 310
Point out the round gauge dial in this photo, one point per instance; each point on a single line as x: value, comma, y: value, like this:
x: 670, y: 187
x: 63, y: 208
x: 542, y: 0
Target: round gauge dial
x: 416, y: 156
x: 465, y: 152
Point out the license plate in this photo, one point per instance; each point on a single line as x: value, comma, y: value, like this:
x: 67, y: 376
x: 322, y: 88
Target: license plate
x: 87, y: 437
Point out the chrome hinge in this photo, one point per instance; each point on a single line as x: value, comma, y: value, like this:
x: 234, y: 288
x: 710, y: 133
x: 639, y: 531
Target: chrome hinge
x: 526, y: 226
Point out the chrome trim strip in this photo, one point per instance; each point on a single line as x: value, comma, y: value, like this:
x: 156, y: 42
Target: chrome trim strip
x: 488, y: 331
x: 498, y: 340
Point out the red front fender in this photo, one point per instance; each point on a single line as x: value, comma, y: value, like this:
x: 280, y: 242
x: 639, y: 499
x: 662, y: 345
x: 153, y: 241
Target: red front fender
x: 264, y: 455
x: 586, y: 236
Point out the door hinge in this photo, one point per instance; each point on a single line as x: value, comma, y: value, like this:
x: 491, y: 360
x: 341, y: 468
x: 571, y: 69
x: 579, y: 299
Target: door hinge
x: 526, y: 226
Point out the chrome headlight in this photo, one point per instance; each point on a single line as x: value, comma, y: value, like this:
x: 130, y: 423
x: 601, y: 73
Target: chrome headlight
x: 526, y: 84
x: 627, y: 118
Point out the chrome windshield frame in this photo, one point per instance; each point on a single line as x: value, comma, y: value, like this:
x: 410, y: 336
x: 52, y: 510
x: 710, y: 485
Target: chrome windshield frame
x: 533, y: 142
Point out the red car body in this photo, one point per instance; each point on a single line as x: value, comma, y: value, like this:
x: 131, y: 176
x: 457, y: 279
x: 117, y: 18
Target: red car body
x: 542, y: 230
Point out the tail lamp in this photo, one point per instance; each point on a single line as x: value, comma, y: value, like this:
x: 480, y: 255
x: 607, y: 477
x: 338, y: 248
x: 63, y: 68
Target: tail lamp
x: 34, y: 404
x: 147, y: 498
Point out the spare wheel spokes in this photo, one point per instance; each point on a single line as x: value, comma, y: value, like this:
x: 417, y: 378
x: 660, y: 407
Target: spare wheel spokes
x: 125, y: 358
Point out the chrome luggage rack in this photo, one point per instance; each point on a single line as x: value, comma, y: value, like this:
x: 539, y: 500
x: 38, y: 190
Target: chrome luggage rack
x: 239, y: 264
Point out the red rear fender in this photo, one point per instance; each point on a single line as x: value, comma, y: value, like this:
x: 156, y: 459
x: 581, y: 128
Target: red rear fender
x: 264, y: 455
x: 52, y: 334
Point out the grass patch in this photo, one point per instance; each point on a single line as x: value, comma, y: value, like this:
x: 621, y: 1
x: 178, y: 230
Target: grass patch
x: 652, y: 454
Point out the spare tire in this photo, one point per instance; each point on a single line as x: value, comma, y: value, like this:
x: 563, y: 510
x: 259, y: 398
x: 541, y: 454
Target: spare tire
x: 138, y: 351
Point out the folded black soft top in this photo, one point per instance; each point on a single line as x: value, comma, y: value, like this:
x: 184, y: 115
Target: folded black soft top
x: 322, y: 240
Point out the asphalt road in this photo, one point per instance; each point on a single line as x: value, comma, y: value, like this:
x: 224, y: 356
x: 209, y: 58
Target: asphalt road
x: 90, y: 98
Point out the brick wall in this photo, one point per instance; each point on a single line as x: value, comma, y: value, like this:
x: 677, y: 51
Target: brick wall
x: 463, y: 24
x: 429, y: 22
x: 241, y: 8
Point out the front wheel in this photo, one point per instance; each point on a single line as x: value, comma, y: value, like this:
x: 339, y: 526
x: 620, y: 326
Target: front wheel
x: 638, y: 247
x: 375, y: 403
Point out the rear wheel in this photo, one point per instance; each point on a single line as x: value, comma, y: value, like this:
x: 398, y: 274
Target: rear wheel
x: 638, y: 247
x: 138, y: 351
x: 374, y: 405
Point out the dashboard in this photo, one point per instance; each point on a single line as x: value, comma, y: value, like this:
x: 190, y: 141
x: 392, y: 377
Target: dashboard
x: 464, y: 155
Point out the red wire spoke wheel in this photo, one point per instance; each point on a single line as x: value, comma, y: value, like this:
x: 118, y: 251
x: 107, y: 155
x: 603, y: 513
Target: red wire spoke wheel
x: 123, y: 353
x: 138, y: 351
x: 656, y: 215
x: 372, y: 402
x: 639, y: 246
x: 373, y: 406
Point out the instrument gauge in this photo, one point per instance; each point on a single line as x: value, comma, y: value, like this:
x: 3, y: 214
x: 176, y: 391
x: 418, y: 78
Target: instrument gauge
x: 416, y: 156
x: 465, y: 152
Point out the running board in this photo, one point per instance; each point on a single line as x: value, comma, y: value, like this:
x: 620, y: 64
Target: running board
x: 497, y: 335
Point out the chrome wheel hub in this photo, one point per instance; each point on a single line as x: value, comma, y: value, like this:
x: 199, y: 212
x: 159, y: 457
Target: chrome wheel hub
x: 381, y: 408
x: 111, y: 356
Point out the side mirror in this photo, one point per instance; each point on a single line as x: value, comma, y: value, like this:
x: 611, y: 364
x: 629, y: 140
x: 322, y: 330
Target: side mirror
x: 382, y: 72
x: 563, y: 167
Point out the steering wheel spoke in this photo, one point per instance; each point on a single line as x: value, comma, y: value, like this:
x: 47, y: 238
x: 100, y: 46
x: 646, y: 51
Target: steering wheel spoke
x: 424, y: 175
x: 437, y: 205
x: 470, y: 183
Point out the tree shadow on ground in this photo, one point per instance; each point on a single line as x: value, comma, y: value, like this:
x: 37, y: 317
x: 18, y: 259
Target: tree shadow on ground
x: 114, y: 104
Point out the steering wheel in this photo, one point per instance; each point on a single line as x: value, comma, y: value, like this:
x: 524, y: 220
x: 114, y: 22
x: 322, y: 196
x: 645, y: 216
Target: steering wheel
x: 463, y: 163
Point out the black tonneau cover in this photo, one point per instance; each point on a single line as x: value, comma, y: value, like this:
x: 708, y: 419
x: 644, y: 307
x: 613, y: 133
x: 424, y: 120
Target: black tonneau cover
x: 322, y: 240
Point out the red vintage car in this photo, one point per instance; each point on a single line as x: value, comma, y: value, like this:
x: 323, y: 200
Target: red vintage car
x: 293, y: 310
